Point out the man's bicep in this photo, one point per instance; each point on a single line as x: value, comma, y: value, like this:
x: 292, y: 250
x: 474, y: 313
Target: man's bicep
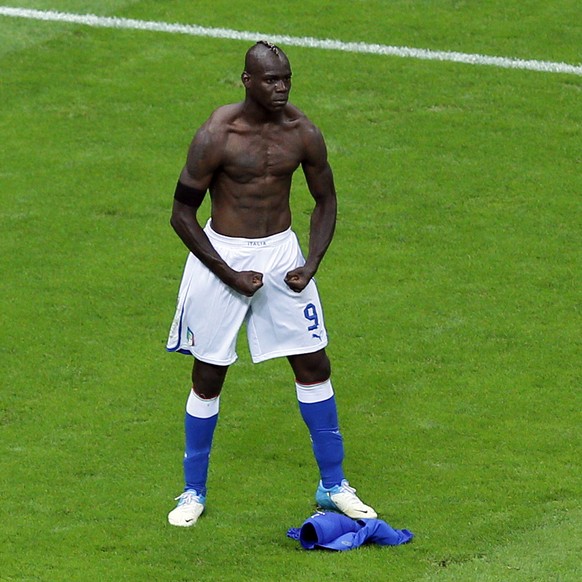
x: 319, y: 181
x: 202, y: 161
x: 316, y: 168
x: 315, y: 149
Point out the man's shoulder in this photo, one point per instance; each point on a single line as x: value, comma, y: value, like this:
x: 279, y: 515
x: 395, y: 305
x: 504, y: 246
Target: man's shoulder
x: 223, y: 116
x: 302, y: 122
x: 219, y: 124
x: 226, y: 112
x: 309, y: 133
x: 295, y: 114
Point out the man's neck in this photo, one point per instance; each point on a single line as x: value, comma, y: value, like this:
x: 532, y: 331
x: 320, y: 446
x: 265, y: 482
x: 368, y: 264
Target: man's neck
x: 255, y: 114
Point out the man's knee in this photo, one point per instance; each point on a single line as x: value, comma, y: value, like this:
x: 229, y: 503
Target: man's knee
x: 311, y: 368
x: 208, y: 379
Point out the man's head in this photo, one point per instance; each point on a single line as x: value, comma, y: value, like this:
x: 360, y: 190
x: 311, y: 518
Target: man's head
x: 267, y: 76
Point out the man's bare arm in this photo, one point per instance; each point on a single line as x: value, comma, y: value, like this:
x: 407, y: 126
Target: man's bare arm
x: 319, y: 177
x: 193, y: 183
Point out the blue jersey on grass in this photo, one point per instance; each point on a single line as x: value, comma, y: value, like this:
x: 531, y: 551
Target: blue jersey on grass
x: 334, y: 531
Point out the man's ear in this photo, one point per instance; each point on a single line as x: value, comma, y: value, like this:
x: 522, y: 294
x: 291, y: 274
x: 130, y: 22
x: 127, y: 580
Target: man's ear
x: 246, y: 79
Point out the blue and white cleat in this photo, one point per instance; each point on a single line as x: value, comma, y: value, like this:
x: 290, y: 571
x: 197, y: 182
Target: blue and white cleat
x: 189, y: 509
x: 343, y: 498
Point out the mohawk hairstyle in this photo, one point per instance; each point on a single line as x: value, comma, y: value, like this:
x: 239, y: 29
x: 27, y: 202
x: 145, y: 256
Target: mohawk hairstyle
x: 270, y: 46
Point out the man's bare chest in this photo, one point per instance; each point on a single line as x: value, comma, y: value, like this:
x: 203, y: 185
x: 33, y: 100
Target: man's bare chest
x: 275, y: 154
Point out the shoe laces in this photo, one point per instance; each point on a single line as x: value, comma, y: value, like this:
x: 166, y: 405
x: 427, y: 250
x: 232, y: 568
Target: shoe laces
x: 345, y: 487
x: 188, y: 497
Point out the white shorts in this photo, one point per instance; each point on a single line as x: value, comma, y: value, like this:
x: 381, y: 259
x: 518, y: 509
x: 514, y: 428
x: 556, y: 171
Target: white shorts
x: 280, y: 322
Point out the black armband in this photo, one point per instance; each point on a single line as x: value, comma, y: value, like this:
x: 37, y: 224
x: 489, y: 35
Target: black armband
x: 188, y: 195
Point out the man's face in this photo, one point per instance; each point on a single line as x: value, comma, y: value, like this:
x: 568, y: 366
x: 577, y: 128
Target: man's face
x: 269, y: 82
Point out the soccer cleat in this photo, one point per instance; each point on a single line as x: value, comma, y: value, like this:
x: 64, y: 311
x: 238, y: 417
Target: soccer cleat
x: 189, y: 509
x: 343, y: 498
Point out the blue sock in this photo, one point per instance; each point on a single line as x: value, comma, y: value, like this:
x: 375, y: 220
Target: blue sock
x: 321, y: 419
x: 199, y: 430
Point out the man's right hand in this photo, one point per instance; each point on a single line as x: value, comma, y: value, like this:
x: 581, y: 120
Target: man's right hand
x: 247, y: 282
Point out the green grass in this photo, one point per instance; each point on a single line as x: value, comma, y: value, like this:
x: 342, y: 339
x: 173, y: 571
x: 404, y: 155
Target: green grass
x: 452, y: 296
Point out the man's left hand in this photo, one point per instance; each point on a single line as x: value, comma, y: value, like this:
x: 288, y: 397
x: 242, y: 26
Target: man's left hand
x: 297, y: 279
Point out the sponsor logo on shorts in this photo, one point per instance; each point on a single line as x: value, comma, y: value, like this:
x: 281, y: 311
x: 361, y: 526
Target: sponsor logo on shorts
x: 190, y: 337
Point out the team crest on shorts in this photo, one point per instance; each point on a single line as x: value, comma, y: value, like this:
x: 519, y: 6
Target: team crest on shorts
x: 190, y: 337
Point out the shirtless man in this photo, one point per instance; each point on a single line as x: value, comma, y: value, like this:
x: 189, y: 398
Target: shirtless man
x: 245, y: 265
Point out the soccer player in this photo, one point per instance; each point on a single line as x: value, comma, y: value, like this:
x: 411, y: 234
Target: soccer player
x: 245, y: 265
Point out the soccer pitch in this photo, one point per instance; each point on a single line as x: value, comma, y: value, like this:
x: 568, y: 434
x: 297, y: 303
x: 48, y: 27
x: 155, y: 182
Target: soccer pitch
x: 451, y: 291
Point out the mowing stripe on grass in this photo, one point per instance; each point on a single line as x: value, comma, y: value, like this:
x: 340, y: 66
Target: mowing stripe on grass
x: 354, y: 47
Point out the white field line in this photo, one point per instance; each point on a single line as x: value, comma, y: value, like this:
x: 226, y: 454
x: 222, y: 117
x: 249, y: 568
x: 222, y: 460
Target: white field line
x: 353, y: 47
